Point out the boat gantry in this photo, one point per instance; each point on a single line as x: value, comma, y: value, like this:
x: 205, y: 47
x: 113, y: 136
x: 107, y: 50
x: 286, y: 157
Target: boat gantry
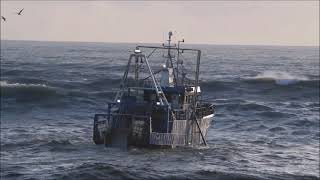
x: 159, y: 103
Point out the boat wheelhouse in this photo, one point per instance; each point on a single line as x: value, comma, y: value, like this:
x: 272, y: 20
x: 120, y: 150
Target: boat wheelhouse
x: 157, y: 105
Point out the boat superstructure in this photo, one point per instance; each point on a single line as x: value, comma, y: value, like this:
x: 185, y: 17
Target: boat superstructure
x: 159, y: 101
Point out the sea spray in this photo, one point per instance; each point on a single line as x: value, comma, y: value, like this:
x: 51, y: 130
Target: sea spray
x: 280, y: 78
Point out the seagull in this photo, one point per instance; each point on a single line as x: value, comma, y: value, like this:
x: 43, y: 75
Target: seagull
x: 19, y: 13
x: 4, y: 19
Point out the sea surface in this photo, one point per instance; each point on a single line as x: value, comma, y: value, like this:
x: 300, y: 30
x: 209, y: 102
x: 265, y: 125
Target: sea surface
x: 266, y: 124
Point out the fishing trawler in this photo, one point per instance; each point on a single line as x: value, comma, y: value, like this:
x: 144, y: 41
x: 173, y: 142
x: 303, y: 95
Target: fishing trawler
x: 157, y: 105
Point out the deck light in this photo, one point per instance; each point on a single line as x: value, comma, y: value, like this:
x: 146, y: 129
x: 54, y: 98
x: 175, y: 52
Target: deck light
x: 137, y: 50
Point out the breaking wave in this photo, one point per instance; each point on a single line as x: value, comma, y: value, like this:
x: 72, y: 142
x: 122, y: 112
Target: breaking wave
x: 280, y: 78
x: 262, y: 83
x: 26, y: 91
x: 15, y: 85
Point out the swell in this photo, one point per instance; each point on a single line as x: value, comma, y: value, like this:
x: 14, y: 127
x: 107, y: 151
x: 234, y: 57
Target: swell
x: 28, y: 92
x: 32, y: 89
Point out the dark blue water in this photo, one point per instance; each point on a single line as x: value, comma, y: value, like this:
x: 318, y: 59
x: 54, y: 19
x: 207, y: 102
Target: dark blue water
x: 266, y: 127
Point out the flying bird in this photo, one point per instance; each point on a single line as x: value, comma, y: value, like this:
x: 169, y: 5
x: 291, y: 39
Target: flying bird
x: 19, y: 13
x: 4, y: 19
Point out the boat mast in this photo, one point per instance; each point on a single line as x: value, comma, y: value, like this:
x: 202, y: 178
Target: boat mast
x: 169, y: 60
x: 169, y: 63
x: 179, y: 61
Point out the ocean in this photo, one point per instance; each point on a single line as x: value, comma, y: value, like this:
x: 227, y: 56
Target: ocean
x: 266, y: 126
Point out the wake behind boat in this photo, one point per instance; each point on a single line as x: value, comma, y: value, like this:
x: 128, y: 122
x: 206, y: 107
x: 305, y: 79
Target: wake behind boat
x: 157, y: 105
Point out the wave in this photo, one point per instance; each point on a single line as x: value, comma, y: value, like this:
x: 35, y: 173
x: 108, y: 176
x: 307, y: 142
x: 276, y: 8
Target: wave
x: 247, y: 106
x: 275, y: 114
x: 94, y: 171
x: 6, y: 84
x: 23, y: 92
x: 219, y: 85
x: 18, y: 72
x: 26, y: 91
x: 277, y: 129
x: 286, y: 85
x: 282, y: 83
x: 280, y: 78
x: 36, y: 142
x: 263, y: 81
x: 103, y: 83
x: 110, y: 171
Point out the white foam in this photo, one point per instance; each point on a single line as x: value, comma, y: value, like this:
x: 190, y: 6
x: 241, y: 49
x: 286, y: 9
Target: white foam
x: 6, y: 84
x: 281, y: 78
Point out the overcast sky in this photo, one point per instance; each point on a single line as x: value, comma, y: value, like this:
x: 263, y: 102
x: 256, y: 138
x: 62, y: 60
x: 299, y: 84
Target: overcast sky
x: 236, y: 22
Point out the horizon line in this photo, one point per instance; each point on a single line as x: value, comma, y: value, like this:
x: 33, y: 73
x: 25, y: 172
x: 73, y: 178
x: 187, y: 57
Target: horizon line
x: 121, y: 42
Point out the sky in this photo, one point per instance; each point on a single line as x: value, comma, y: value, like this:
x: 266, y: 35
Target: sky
x: 293, y: 23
